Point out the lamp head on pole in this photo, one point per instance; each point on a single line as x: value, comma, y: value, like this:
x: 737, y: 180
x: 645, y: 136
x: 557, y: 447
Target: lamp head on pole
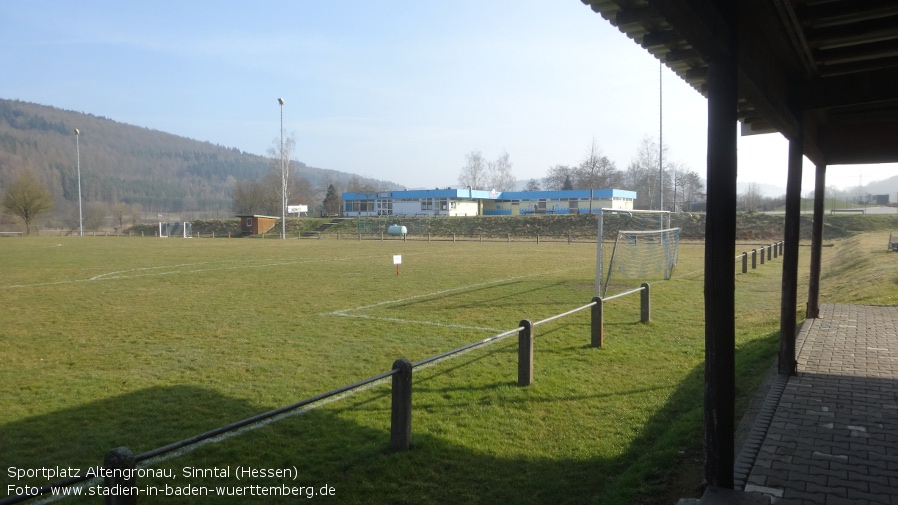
x: 281, y: 101
x: 77, y: 131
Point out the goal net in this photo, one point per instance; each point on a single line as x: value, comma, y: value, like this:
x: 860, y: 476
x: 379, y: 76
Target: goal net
x: 639, y: 256
x: 644, y: 241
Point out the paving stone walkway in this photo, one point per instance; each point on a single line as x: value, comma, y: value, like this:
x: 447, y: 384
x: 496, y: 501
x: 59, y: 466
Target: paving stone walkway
x: 830, y: 434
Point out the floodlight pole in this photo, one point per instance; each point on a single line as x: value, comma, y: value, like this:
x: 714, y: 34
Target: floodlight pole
x: 78, y: 164
x: 660, y: 142
x: 283, y: 177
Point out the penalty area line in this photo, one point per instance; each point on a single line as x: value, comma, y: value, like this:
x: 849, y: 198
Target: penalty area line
x: 347, y: 312
x: 411, y: 321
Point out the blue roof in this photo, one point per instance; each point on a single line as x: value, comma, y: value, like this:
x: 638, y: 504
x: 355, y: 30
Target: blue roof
x: 574, y: 193
x: 477, y: 194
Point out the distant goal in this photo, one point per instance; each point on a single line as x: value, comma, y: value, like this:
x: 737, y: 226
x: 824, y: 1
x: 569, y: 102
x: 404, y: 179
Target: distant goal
x: 175, y: 229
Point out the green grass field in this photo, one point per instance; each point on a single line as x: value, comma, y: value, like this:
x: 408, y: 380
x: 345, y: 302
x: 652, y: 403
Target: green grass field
x: 111, y: 342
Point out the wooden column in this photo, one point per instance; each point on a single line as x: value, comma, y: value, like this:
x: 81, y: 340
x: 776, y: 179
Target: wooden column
x: 786, y: 363
x: 720, y: 240
x: 813, y: 310
x: 401, y: 406
x: 525, y: 353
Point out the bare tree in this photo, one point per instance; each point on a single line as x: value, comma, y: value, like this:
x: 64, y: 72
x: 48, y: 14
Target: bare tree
x: 94, y: 215
x: 532, y: 185
x: 27, y: 199
x: 559, y: 177
x: 281, y: 154
x: 751, y: 199
x: 474, y: 173
x: 644, y: 176
x: 256, y: 197
x: 596, y: 171
x: 119, y: 211
x: 500, y: 176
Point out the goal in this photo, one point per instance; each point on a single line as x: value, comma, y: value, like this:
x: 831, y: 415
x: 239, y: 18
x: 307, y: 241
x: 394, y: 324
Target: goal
x: 639, y: 256
x: 174, y: 229
x: 642, y: 244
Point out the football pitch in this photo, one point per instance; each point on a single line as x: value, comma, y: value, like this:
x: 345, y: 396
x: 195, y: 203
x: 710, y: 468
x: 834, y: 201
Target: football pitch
x: 111, y: 342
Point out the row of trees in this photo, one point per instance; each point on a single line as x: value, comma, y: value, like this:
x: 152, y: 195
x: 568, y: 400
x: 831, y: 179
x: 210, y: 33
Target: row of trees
x: 28, y: 200
x: 679, y: 186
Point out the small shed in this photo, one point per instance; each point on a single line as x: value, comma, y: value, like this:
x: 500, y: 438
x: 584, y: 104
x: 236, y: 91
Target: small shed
x: 256, y: 224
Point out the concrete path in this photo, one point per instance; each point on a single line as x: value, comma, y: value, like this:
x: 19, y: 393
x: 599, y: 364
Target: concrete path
x: 830, y: 434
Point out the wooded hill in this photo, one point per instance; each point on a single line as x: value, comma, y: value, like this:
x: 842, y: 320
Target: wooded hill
x: 157, y: 171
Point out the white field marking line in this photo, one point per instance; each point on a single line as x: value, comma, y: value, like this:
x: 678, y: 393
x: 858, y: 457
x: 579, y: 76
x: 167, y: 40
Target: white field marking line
x: 443, y: 292
x: 230, y: 434
x: 116, y: 275
x: 346, y: 312
x: 411, y: 321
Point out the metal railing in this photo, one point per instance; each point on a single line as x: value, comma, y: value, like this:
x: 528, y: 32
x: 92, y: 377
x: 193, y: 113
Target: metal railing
x: 120, y: 464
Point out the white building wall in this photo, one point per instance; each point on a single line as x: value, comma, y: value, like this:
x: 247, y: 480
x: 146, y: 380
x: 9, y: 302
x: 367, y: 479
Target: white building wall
x: 465, y: 208
x: 407, y: 208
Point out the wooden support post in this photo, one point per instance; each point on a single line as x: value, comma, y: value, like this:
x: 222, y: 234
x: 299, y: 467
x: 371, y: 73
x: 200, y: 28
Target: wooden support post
x: 597, y: 325
x: 645, y: 307
x: 120, y: 458
x: 776, y: 249
x: 744, y: 262
x: 525, y: 354
x: 762, y: 255
x: 720, y: 240
x: 754, y: 259
x: 786, y: 363
x: 401, y: 411
x: 813, y: 309
x: 769, y: 251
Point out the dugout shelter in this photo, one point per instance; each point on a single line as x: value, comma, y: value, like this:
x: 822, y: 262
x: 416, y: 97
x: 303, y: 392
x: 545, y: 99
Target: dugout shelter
x: 255, y: 224
x: 820, y: 72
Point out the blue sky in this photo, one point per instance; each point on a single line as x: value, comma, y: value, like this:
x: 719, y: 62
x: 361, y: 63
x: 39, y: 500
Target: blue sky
x: 395, y: 90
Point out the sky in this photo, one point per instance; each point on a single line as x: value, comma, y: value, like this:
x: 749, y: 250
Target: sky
x: 395, y: 90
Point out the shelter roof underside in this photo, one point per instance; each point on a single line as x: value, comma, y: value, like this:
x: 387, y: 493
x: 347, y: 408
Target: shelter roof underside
x: 830, y: 66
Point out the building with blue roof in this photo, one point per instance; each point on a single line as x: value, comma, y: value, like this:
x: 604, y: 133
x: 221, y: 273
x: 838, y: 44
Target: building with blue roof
x: 467, y: 202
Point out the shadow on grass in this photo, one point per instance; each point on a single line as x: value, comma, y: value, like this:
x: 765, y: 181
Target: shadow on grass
x: 329, y: 448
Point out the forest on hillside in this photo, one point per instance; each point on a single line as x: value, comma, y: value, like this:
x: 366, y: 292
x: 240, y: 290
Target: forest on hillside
x: 145, y: 171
